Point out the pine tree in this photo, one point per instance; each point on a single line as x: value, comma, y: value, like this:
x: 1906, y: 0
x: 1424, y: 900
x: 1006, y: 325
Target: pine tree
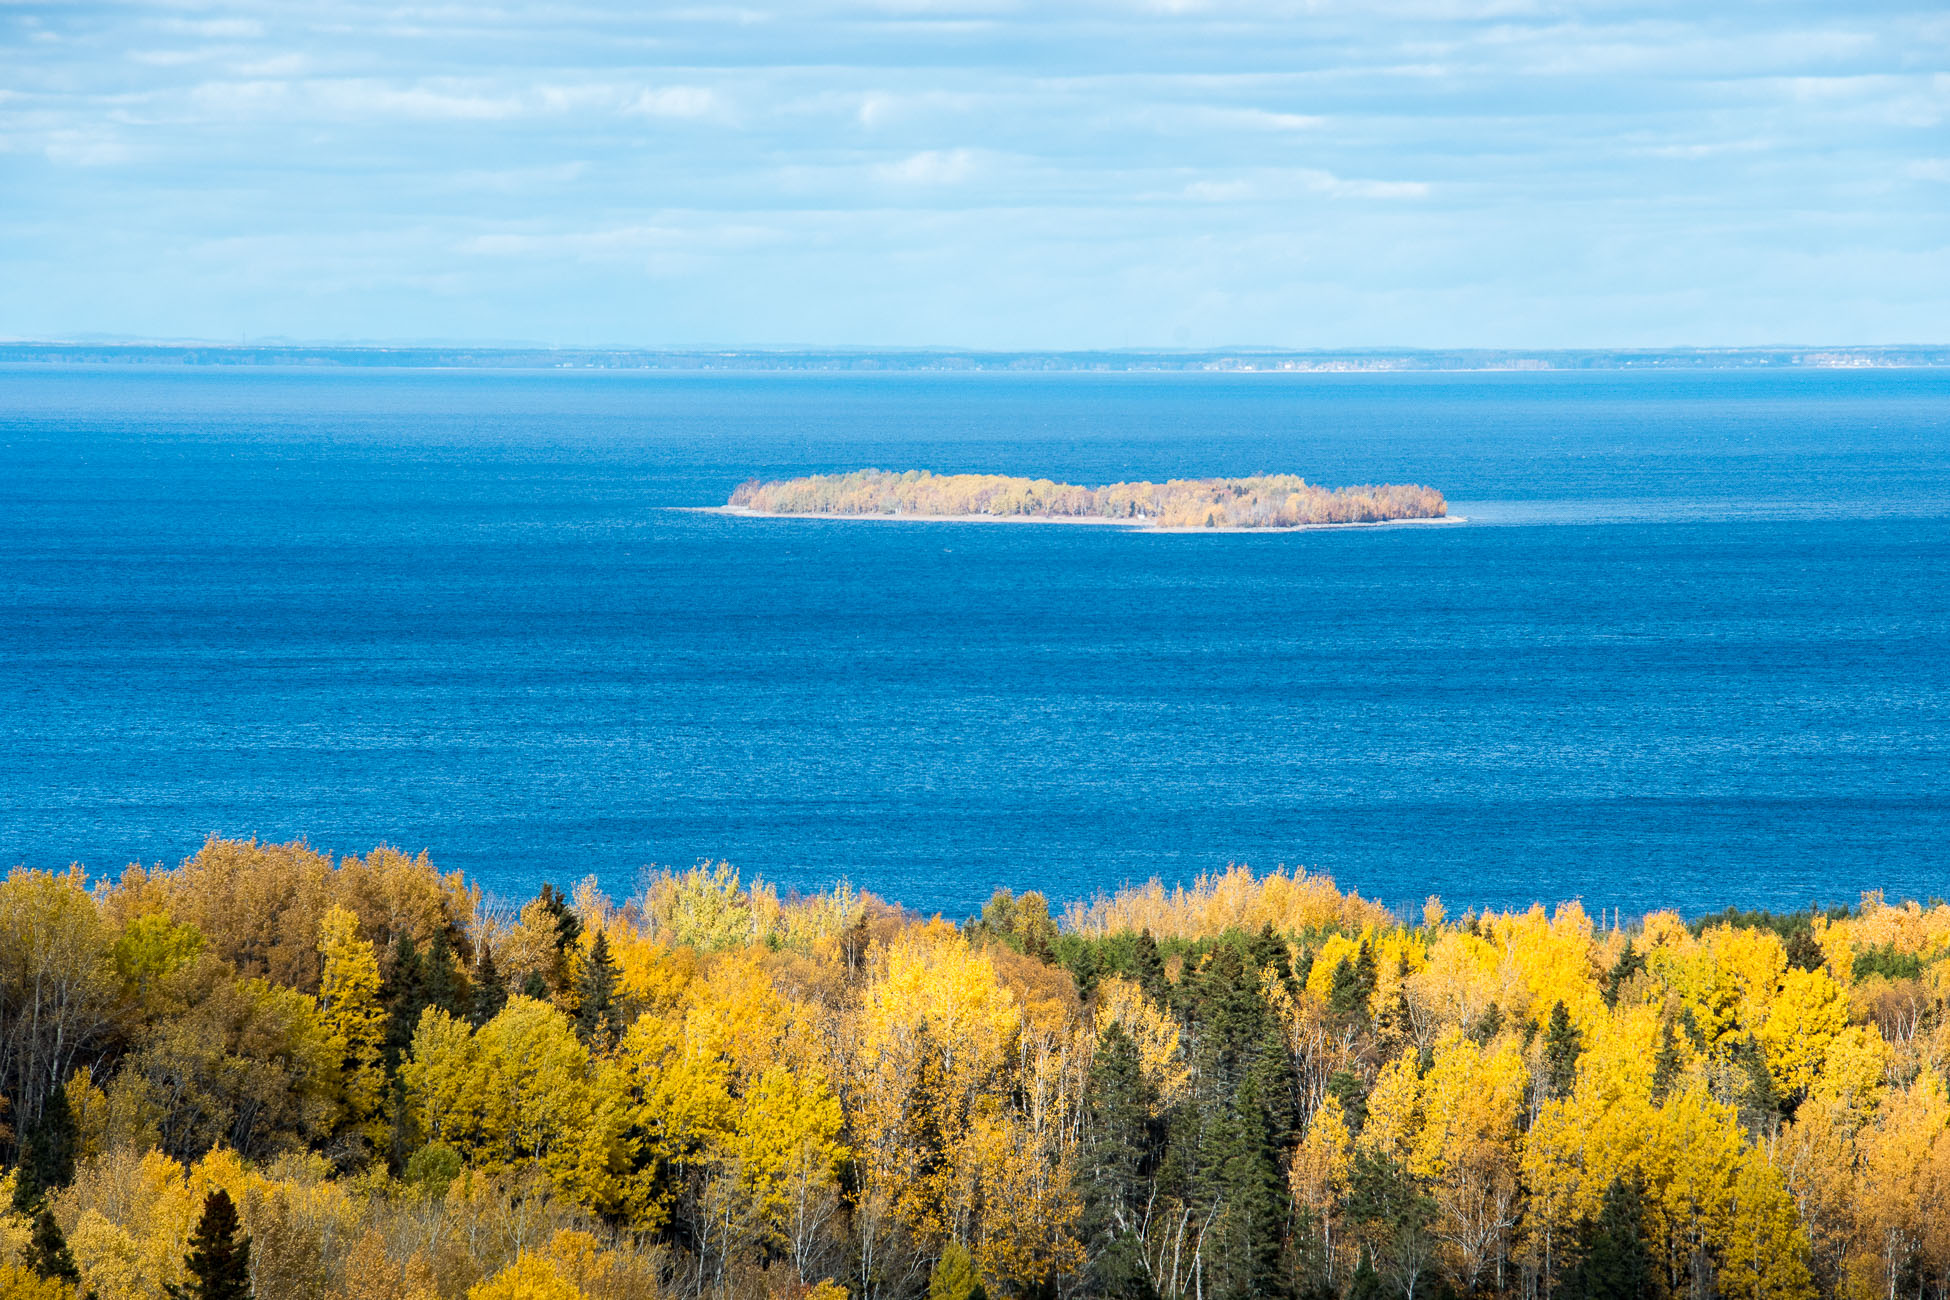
x: 568, y: 926
x: 1563, y: 1045
x: 1084, y: 968
x: 219, y: 1259
x: 47, y: 1251
x: 1353, y: 985
x: 490, y: 991
x: 1148, y: 967
x: 1629, y: 963
x: 1253, y: 1234
x: 1804, y: 951
x: 1665, y: 1066
x: 47, y: 1154
x: 1366, y: 1283
x: 1117, y: 1159
x: 404, y: 996
x: 596, y: 1018
x: 445, y: 987
x: 1613, y: 1260
x: 534, y: 986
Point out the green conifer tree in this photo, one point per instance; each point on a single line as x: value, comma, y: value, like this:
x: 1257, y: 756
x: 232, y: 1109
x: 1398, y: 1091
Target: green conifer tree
x: 1563, y: 1045
x: 1148, y: 967
x: 1117, y: 1160
x: 490, y: 990
x: 1614, y: 1261
x: 219, y: 1257
x: 404, y: 997
x: 47, y: 1251
x: 47, y: 1154
x: 596, y: 1018
x: 1629, y: 963
x: 1665, y: 1066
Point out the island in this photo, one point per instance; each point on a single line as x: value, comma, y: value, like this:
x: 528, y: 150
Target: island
x: 1260, y: 502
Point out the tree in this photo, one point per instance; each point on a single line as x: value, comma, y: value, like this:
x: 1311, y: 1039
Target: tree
x: 1120, y: 1149
x: 1148, y: 967
x: 954, y: 1276
x: 1563, y: 1044
x: 219, y: 1259
x: 1630, y: 962
x: 490, y: 990
x: 1613, y: 1260
x: 1353, y: 984
x: 47, y: 1251
x: 47, y: 1154
x: 349, y: 1010
x: 404, y: 997
x: 1666, y: 1065
x: 1395, y: 1214
x: 596, y: 1017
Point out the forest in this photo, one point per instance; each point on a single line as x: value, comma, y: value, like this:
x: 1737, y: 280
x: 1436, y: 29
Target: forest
x: 1263, y: 501
x: 268, y: 1073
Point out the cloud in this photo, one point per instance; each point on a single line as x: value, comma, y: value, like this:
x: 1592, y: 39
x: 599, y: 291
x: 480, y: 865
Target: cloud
x: 929, y: 167
x: 1220, y: 191
x: 1930, y: 169
x: 675, y: 101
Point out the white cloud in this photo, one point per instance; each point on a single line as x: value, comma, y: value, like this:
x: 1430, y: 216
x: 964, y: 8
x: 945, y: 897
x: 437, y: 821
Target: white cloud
x: 1930, y: 169
x: 675, y: 101
x: 930, y: 167
x: 1220, y: 191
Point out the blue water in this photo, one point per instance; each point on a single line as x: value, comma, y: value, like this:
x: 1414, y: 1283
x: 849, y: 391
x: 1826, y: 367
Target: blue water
x: 1690, y: 650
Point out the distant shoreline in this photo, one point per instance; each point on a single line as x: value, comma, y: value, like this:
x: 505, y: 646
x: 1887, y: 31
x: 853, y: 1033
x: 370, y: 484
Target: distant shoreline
x: 1130, y: 525
x: 867, y: 360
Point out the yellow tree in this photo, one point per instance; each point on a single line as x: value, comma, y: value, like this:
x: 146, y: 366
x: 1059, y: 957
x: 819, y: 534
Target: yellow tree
x: 1765, y: 1253
x: 349, y: 1010
x: 784, y: 1156
x: 1319, y: 1176
x: 1899, y: 1163
x: 1472, y: 1099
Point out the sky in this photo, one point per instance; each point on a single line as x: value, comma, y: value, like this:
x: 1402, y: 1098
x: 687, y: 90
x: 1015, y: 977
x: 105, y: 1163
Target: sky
x: 978, y: 174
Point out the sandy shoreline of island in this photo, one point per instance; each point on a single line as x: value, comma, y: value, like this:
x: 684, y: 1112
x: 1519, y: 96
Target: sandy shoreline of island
x: 1094, y: 520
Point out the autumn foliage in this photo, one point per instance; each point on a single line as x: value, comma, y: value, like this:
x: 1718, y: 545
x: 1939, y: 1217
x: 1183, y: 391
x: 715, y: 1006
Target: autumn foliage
x: 1254, y: 1085
x: 1263, y: 501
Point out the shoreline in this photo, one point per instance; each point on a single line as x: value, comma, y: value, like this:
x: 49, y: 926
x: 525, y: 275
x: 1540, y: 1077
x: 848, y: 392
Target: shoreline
x: 743, y: 512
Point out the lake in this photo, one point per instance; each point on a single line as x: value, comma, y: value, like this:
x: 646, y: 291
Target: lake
x: 1690, y: 650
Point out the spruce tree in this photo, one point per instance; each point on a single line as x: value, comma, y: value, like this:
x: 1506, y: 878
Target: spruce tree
x: 490, y: 991
x: 1117, y: 1160
x: 47, y: 1154
x: 1804, y: 952
x: 596, y: 1017
x: 1629, y: 963
x: 404, y: 997
x: 568, y: 926
x: 47, y: 1251
x: 1148, y: 967
x: 1563, y: 1045
x: 1085, y: 968
x: 1253, y: 1227
x: 219, y: 1258
x: 1613, y: 1260
x: 444, y: 986
x: 1665, y: 1066
x: 1366, y: 1283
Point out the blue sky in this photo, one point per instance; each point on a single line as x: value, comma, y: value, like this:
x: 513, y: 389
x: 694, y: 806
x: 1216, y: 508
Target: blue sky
x: 1038, y: 175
